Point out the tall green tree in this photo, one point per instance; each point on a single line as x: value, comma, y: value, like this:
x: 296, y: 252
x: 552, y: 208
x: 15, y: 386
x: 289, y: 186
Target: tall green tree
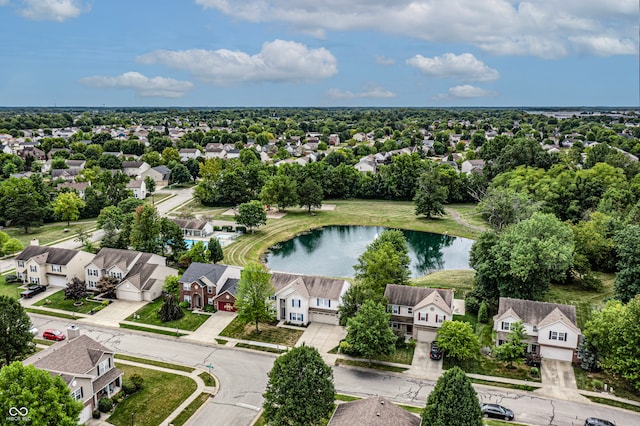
x: 502, y: 207
x: 67, y: 206
x: 16, y: 341
x: 215, y: 250
x: 385, y: 261
x: 150, y: 184
x: 251, y: 215
x: 457, y: 340
x: 430, y: 195
x: 180, y: 174
x: 110, y: 220
x: 21, y: 204
x: 310, y: 195
x: 253, y: 295
x: 354, y: 298
x: 46, y: 396
x: 369, y: 333
x: 453, y: 401
x: 280, y: 190
x: 516, y: 343
x: 145, y: 231
x: 171, y: 237
x: 627, y: 283
x: 300, y: 389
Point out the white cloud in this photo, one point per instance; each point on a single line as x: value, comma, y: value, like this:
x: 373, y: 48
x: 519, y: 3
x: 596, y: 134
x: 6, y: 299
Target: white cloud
x: 465, y: 91
x: 605, y: 46
x: 370, y: 91
x: 382, y: 60
x: 543, y: 28
x: 463, y: 67
x: 52, y: 10
x: 143, y: 86
x: 277, y: 61
x: 4, y: 2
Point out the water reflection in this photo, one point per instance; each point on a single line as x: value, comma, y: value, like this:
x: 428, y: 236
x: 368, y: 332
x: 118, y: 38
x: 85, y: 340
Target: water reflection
x: 333, y: 250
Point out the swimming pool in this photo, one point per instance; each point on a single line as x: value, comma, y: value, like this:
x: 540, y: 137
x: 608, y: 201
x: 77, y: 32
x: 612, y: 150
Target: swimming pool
x: 225, y: 240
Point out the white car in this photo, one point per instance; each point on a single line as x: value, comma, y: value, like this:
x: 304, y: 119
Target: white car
x: 33, y: 329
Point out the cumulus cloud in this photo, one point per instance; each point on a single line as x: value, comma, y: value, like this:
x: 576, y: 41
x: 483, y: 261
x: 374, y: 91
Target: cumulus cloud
x: 544, y: 28
x: 370, y: 91
x: 465, y: 91
x: 463, y: 67
x: 52, y: 10
x: 605, y: 45
x: 143, y: 86
x: 277, y: 61
x: 382, y: 60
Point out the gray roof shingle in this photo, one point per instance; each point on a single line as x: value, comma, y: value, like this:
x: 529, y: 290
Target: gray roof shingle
x: 532, y: 312
x: 76, y: 356
x: 329, y: 288
x: 376, y: 411
x: 51, y: 255
x: 405, y: 295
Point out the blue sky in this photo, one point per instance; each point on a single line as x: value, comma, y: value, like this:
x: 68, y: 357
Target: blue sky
x: 414, y: 53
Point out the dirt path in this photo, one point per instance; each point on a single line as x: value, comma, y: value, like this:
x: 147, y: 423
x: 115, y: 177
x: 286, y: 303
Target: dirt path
x: 454, y: 214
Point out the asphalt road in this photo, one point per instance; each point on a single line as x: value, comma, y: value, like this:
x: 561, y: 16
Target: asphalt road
x: 243, y: 377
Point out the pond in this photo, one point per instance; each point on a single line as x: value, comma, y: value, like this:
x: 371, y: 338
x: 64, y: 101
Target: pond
x: 334, y: 250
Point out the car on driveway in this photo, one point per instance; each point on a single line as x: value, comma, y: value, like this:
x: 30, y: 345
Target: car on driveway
x: 435, y: 353
x: 32, y: 290
x: 593, y: 421
x: 53, y: 334
x: 497, y: 411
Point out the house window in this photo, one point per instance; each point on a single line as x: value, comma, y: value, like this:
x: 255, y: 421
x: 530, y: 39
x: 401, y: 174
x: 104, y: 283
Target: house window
x: 410, y: 310
x: 395, y: 325
x: 20, y: 263
x: 92, y: 284
x: 294, y: 316
x: 77, y: 394
x: 295, y: 302
x: 325, y: 303
x: 273, y: 298
x: 33, y: 268
x: 210, y: 301
x: 209, y: 289
x: 104, y: 366
x: 187, y: 298
x: 423, y: 317
x: 395, y: 309
x: 409, y: 329
x: 440, y: 319
x: 56, y: 268
x: 554, y: 335
x: 92, y: 272
x: 186, y: 287
x: 116, y: 275
x: 34, y: 280
x: 535, y: 328
x: 505, y: 325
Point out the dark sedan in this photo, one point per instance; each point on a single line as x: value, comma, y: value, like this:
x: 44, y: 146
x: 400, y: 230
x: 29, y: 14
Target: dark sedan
x: 593, y: 421
x: 32, y: 290
x: 497, y: 411
x: 435, y: 353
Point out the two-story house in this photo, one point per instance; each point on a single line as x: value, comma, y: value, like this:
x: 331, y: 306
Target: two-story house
x: 205, y: 284
x: 135, y: 169
x: 138, y: 188
x: 551, y: 328
x: 301, y: 299
x: 53, y: 266
x: 86, y: 366
x: 141, y: 275
x: 419, y: 312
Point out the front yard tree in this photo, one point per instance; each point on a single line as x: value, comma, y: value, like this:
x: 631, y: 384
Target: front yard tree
x: 150, y: 183
x: 76, y: 289
x: 172, y: 285
x: 145, y: 230
x: 281, y: 191
x: 300, y: 389
x: 627, y: 283
x: 385, y: 261
x: 354, y: 298
x: 67, y: 206
x: 453, y: 401
x: 180, y: 174
x: 457, y: 340
x: 110, y: 220
x: 310, y: 195
x: 368, y: 332
x: 251, y: 215
x: 253, y: 295
x: 215, y: 250
x: 170, y: 310
x: 107, y: 286
x: 430, y: 195
x: 16, y: 341
x: 46, y: 396
x: 513, y: 349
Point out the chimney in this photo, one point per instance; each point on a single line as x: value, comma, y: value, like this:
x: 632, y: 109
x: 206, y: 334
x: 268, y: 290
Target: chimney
x: 73, y: 331
x: 34, y: 242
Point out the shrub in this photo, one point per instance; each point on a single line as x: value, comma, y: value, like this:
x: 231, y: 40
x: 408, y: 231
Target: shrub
x: 184, y: 304
x: 483, y: 314
x: 137, y: 381
x: 106, y: 302
x: 411, y: 343
x: 128, y: 387
x: 105, y: 404
x: 216, y: 228
x: 241, y: 228
x: 597, y: 384
x: 209, y: 308
x: 345, y: 347
x: 534, y: 372
x: 10, y: 278
x: 96, y: 414
x: 471, y: 304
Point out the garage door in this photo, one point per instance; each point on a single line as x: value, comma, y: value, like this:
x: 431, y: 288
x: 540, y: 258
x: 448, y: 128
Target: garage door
x: 57, y: 280
x: 323, y: 318
x: 86, y: 413
x: 556, y: 353
x: 425, y: 335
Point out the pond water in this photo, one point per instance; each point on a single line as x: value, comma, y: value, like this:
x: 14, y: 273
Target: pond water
x: 334, y: 250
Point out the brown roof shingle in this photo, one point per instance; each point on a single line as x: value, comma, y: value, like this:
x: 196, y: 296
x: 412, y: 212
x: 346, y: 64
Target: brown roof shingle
x: 532, y: 312
x: 405, y: 295
x: 329, y: 288
x: 76, y: 356
x: 377, y: 411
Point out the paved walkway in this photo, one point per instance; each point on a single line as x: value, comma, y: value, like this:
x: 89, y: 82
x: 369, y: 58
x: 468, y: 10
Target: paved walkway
x: 212, y: 327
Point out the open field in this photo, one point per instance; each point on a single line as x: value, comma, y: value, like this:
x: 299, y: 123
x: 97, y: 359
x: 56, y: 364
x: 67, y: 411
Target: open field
x: 393, y: 214
x: 50, y: 232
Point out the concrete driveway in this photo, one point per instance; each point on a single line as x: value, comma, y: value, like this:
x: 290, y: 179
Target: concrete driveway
x: 324, y: 337
x: 114, y: 314
x: 422, y: 366
x: 558, y: 373
x: 212, y: 327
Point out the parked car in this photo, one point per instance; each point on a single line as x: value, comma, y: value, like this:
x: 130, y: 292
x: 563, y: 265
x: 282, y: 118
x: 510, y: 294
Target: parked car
x: 32, y: 290
x: 33, y: 329
x: 497, y: 411
x: 53, y: 334
x: 11, y: 278
x: 593, y: 421
x: 435, y: 353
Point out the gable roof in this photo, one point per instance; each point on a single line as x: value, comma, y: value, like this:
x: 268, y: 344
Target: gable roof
x: 434, y: 299
x: 557, y: 316
x: 197, y: 271
x: 405, y: 295
x: 76, y: 356
x: 533, y: 312
x: 51, y: 255
x: 190, y: 223
x: 309, y: 285
x: 108, y: 257
x: 376, y: 411
x: 164, y: 171
x: 132, y: 164
x: 230, y: 285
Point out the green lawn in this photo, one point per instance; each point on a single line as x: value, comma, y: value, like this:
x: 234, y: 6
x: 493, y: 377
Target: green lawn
x: 491, y: 367
x: 459, y: 280
x: 149, y: 315
x: 51, y: 314
x: 186, y: 414
x: 398, y: 214
x: 470, y: 214
x: 207, y: 379
x: 51, y: 232
x: 260, y: 348
x: 373, y: 365
x: 268, y: 333
x: 59, y: 302
x: 161, y: 394
x: 594, y: 381
x: 151, y: 330
x: 400, y: 356
x: 11, y: 290
x: 155, y: 363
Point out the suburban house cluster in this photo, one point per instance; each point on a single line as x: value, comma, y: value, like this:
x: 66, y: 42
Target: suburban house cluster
x: 141, y: 275
x: 85, y: 365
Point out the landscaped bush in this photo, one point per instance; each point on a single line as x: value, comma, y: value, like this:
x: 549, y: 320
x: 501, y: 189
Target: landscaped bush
x: 534, y: 372
x: 128, y: 387
x: 209, y: 308
x: 137, y: 381
x: 241, y: 228
x: 216, y: 228
x: 345, y: 347
x: 184, y: 304
x: 96, y: 414
x: 106, y: 302
x: 471, y: 304
x: 105, y: 404
x: 597, y: 384
x: 10, y: 278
